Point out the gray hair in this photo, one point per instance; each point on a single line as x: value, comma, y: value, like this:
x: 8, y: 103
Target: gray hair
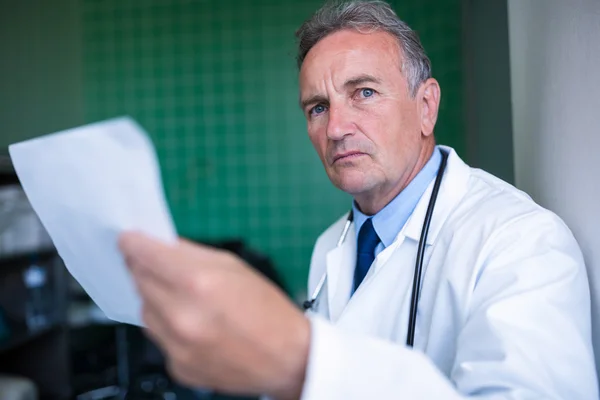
x: 367, y: 16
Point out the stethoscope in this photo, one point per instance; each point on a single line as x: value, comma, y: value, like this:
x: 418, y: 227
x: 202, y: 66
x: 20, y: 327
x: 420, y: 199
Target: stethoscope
x: 416, y: 287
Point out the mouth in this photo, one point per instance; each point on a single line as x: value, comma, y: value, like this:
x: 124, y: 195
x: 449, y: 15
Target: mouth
x: 347, y: 156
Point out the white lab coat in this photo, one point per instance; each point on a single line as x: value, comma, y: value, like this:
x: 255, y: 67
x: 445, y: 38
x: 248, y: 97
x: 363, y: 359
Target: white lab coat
x: 504, y: 311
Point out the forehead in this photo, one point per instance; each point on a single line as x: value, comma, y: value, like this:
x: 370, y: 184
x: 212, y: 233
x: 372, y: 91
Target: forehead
x: 347, y: 53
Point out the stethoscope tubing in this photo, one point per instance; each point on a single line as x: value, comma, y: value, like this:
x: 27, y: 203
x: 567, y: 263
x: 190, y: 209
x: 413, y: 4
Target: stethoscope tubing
x: 416, y: 287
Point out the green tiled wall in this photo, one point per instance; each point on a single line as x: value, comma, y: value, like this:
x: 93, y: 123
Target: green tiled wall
x: 214, y: 82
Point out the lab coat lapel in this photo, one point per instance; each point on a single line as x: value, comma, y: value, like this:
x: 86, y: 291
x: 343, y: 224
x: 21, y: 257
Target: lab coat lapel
x: 401, y: 254
x: 452, y: 189
x: 366, y: 313
x: 380, y: 307
x: 340, y: 274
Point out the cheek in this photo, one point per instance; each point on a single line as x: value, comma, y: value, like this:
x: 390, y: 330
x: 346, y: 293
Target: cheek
x: 318, y: 137
x: 378, y: 127
x: 390, y: 128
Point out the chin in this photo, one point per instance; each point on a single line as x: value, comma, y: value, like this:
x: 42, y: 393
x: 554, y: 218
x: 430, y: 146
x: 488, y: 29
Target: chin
x: 352, y: 182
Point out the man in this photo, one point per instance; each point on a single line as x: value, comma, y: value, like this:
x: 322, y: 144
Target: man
x: 503, y: 310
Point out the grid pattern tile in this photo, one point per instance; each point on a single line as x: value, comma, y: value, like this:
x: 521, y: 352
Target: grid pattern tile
x: 214, y: 83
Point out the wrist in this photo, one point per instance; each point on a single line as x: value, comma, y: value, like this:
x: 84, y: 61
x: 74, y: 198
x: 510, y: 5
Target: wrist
x: 293, y: 366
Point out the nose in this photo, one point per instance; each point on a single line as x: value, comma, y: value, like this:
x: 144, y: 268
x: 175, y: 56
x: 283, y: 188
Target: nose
x: 340, y: 123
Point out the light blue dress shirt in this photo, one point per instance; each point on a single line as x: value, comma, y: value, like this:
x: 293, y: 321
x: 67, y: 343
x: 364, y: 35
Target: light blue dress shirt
x: 391, y: 219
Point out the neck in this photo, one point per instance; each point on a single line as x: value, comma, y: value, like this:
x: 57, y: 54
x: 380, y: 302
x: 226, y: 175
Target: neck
x: 370, y: 203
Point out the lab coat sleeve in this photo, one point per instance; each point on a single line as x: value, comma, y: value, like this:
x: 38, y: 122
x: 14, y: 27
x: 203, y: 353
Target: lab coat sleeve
x: 346, y: 366
x: 525, y: 333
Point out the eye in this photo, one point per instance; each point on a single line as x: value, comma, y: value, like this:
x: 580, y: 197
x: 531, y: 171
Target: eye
x: 317, y: 110
x: 366, y: 92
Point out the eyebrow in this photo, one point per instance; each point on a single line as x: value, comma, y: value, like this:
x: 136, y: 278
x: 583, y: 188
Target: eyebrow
x: 313, y: 100
x: 354, y: 81
x: 361, y: 79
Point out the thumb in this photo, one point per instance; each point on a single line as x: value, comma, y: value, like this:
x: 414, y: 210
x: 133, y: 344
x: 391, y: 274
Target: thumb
x: 139, y: 248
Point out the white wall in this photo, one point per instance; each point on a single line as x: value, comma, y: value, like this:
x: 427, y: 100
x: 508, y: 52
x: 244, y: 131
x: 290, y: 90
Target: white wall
x: 555, y: 84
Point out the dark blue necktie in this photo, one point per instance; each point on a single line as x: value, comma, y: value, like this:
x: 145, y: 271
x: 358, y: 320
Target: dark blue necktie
x: 367, y: 242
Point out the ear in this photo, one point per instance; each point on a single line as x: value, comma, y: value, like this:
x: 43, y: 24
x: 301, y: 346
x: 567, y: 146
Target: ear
x: 429, y: 102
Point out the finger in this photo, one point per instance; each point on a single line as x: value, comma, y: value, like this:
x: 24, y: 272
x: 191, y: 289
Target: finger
x: 143, y: 249
x: 158, y: 306
x: 145, y: 254
x: 157, y: 329
x: 154, y: 291
x: 202, y: 253
x: 162, y: 330
x: 176, y: 265
x: 167, y: 282
x: 185, y: 376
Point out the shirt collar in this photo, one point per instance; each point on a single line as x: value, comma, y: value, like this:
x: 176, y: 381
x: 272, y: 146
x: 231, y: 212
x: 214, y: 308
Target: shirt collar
x: 391, y: 219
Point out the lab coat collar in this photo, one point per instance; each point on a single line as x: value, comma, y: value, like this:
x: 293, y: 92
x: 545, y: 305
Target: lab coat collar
x: 452, y: 189
x: 340, y: 274
x: 340, y: 260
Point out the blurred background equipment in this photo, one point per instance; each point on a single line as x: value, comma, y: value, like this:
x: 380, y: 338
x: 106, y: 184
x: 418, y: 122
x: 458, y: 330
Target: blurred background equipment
x: 55, y: 343
x: 17, y: 388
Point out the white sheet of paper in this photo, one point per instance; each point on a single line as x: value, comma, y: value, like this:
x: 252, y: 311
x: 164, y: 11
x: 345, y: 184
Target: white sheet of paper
x: 87, y: 185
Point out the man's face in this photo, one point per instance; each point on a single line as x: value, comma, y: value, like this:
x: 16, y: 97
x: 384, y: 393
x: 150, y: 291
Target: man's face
x: 360, y: 116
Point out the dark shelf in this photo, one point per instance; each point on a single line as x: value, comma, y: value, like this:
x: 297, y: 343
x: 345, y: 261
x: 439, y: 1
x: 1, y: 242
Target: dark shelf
x: 19, y: 337
x: 8, y: 175
x: 25, y: 258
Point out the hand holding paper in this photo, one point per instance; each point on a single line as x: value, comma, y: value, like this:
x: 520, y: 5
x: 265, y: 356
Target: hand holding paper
x: 87, y: 185
x: 221, y: 324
